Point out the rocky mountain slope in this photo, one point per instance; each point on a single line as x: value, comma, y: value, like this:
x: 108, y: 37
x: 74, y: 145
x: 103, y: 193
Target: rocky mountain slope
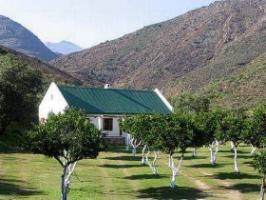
x: 185, y: 53
x: 63, y: 47
x: 49, y: 72
x: 13, y: 35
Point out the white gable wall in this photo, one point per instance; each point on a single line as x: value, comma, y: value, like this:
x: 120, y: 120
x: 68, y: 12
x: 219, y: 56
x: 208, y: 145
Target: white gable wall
x: 164, y: 100
x: 53, y: 102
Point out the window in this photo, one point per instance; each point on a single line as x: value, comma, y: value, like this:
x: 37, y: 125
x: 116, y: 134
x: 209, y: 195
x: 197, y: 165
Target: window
x: 107, y: 124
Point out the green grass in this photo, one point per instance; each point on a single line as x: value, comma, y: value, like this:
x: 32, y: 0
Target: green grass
x: 118, y: 175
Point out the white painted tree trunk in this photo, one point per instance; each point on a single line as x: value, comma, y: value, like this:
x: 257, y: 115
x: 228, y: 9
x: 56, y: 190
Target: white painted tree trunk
x: 262, y: 190
x: 143, y: 158
x: 232, y: 145
x: 175, y: 170
x: 128, y: 142
x: 169, y: 161
x: 65, y: 179
x: 253, y: 150
x: 216, y: 151
x: 213, y: 148
x: 211, y: 154
x: 147, y: 156
x: 235, y: 159
x: 154, y: 168
x: 134, y: 143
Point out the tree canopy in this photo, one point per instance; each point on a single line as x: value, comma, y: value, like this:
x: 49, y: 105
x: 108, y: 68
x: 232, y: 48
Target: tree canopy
x: 19, y: 87
x: 68, y: 138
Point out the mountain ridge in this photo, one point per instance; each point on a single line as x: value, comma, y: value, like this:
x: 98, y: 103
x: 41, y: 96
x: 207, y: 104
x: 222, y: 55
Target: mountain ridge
x: 63, y: 47
x: 15, y: 36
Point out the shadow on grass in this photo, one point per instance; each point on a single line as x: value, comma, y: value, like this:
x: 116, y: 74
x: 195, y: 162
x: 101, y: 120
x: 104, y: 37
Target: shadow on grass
x: 207, y: 165
x: 169, y: 193
x: 120, y: 166
x: 125, y: 158
x: 193, y: 157
x: 251, y: 163
x: 145, y: 176
x: 239, y: 156
x: 231, y: 151
x: 116, y: 149
x: 244, y: 187
x: 13, y: 187
x: 234, y: 175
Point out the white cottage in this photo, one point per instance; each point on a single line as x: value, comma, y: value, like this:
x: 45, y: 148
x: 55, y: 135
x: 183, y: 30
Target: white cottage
x: 105, y: 106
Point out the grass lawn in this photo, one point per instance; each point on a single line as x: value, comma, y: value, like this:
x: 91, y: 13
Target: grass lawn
x: 118, y: 175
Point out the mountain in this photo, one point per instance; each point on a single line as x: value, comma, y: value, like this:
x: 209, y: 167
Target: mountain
x: 49, y: 72
x: 185, y: 53
x: 13, y: 35
x: 63, y: 47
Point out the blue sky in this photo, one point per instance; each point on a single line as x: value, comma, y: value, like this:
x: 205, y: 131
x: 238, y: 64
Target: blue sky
x: 89, y: 22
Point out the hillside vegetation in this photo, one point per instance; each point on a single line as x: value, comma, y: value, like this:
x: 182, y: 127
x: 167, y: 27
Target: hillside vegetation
x: 49, y: 72
x: 184, y: 53
x: 243, y: 89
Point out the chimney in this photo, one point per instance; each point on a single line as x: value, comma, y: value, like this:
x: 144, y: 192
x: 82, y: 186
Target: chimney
x: 107, y: 86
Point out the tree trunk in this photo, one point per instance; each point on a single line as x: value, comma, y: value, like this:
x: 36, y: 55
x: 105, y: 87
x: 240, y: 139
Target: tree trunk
x: 262, y: 190
x: 65, y: 179
x: 64, y: 185
x: 143, y: 160
x: 253, y: 150
x: 154, y: 169
x: 169, y: 161
x: 216, y: 151
x: 232, y: 145
x: 147, y: 156
x: 235, y: 159
x: 134, y: 145
x: 212, y: 153
x: 127, y: 142
x: 175, y: 170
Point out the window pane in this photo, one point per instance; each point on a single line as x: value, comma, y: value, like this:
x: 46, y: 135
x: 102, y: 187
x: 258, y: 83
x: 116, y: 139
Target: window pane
x: 108, y: 124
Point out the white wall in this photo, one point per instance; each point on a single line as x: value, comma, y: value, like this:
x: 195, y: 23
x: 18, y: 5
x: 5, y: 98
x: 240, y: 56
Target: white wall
x: 53, y: 102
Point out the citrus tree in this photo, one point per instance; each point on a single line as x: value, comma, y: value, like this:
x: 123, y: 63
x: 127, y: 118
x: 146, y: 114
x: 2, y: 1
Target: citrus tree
x: 232, y: 128
x: 143, y: 128
x: 68, y: 138
x: 175, y: 134
x: 257, y: 128
x: 260, y: 164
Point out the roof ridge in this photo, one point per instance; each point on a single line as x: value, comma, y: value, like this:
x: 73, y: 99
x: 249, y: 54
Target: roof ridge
x: 99, y: 88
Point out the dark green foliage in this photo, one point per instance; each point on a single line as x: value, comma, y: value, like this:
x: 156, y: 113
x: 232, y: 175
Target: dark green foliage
x: 233, y: 127
x: 71, y: 132
x: 176, y: 132
x: 260, y: 162
x: 19, y: 87
x: 189, y: 102
x: 257, y: 132
x: 144, y: 128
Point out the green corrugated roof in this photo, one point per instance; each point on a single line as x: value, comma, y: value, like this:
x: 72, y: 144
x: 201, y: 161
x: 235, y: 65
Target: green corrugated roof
x: 113, y: 101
